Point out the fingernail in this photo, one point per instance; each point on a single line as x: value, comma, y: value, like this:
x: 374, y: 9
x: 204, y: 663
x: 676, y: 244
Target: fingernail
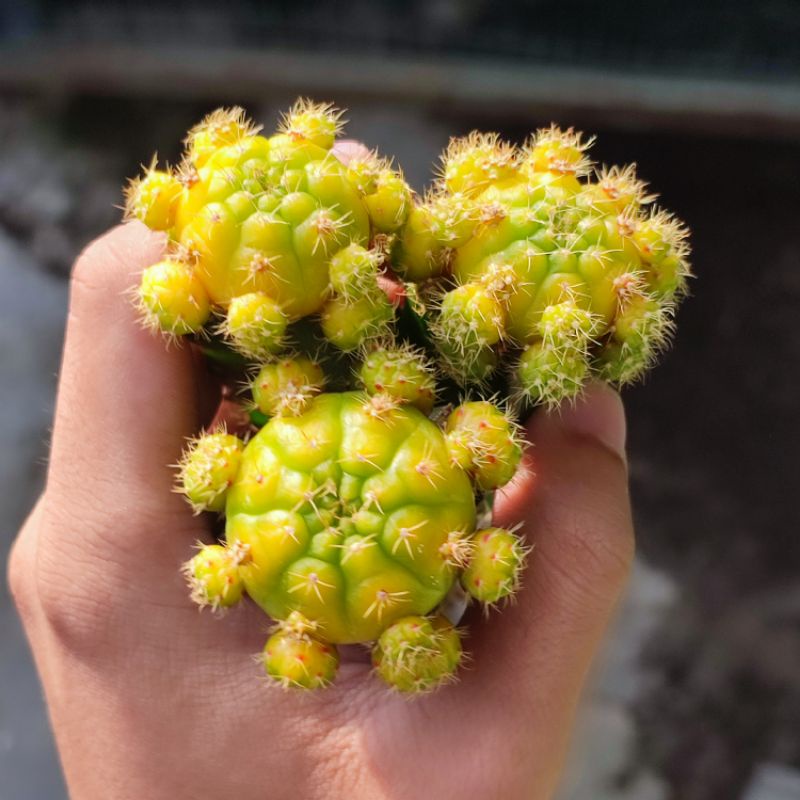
x: 598, y: 414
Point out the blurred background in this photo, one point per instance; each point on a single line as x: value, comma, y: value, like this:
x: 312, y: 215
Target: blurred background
x: 697, y: 696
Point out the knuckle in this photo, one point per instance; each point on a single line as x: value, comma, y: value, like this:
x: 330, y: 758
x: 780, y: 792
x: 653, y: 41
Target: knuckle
x: 91, y: 264
x: 20, y: 579
x: 107, y: 263
x: 71, y: 582
x: 72, y: 604
x: 601, y: 548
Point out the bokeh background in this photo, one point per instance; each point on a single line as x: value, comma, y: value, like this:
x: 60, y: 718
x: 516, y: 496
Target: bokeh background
x: 697, y: 696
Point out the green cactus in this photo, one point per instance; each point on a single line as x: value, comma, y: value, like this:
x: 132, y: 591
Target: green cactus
x: 418, y: 654
x: 213, y: 575
x: 495, y: 564
x: 578, y: 274
x: 295, y: 657
x: 254, y: 224
x: 402, y: 374
x: 351, y: 515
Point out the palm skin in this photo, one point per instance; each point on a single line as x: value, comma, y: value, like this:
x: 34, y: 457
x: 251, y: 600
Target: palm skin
x: 149, y: 698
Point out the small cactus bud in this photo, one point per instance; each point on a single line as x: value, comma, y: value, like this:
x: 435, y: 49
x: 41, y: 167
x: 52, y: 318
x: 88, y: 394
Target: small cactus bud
x: 223, y: 127
x: 208, y: 468
x: 641, y: 329
x: 153, y: 199
x: 616, y: 190
x: 363, y: 171
x: 172, y: 299
x: 557, y: 151
x: 473, y: 366
x: 497, y: 558
x: 286, y: 387
x: 470, y: 322
x: 295, y: 658
x: 255, y: 325
x: 418, y: 253
x: 349, y: 325
x: 354, y: 272
x: 455, y: 217
x: 566, y: 324
x: 661, y: 241
x: 213, y: 575
x: 318, y: 123
x: 402, y: 373
x: 483, y: 441
x: 471, y: 315
x: 548, y: 374
x: 390, y: 202
x: 417, y: 654
x: 470, y: 165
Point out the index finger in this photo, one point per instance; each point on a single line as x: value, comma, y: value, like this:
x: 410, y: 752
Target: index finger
x: 125, y: 401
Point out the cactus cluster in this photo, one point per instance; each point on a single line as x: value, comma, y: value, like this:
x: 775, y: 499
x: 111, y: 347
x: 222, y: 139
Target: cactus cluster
x: 350, y: 516
x: 356, y: 509
x: 264, y: 231
x: 531, y: 254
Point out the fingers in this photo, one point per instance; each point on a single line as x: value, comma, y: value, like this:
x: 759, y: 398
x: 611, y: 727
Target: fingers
x: 125, y: 402
x: 573, y: 497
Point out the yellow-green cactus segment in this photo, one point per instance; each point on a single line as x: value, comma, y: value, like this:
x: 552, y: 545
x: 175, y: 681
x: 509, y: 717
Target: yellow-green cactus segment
x: 401, y: 373
x: 345, y: 510
x: 255, y: 325
x: 265, y: 215
x: 416, y: 654
x: 483, y: 440
x: 153, y: 199
x: 286, y: 387
x: 497, y: 558
x: 354, y: 272
x: 527, y: 231
x: 171, y: 298
x: 213, y: 575
x: 349, y: 324
x: 296, y: 658
x: 208, y: 468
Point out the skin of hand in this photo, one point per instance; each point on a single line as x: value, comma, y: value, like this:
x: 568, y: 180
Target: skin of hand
x: 150, y: 699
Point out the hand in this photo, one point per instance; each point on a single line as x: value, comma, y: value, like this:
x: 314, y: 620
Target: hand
x: 149, y: 699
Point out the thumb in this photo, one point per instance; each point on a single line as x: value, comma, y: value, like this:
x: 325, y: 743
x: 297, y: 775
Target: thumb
x: 572, y: 496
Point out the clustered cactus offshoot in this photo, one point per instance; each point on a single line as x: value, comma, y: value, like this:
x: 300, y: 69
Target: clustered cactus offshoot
x: 361, y: 502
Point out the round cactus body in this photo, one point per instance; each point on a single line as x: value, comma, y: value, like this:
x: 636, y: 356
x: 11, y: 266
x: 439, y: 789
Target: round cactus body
x: 577, y: 274
x: 262, y: 218
x: 344, y: 511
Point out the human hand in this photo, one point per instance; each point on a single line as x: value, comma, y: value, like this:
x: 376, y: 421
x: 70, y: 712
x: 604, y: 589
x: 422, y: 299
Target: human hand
x: 148, y: 699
